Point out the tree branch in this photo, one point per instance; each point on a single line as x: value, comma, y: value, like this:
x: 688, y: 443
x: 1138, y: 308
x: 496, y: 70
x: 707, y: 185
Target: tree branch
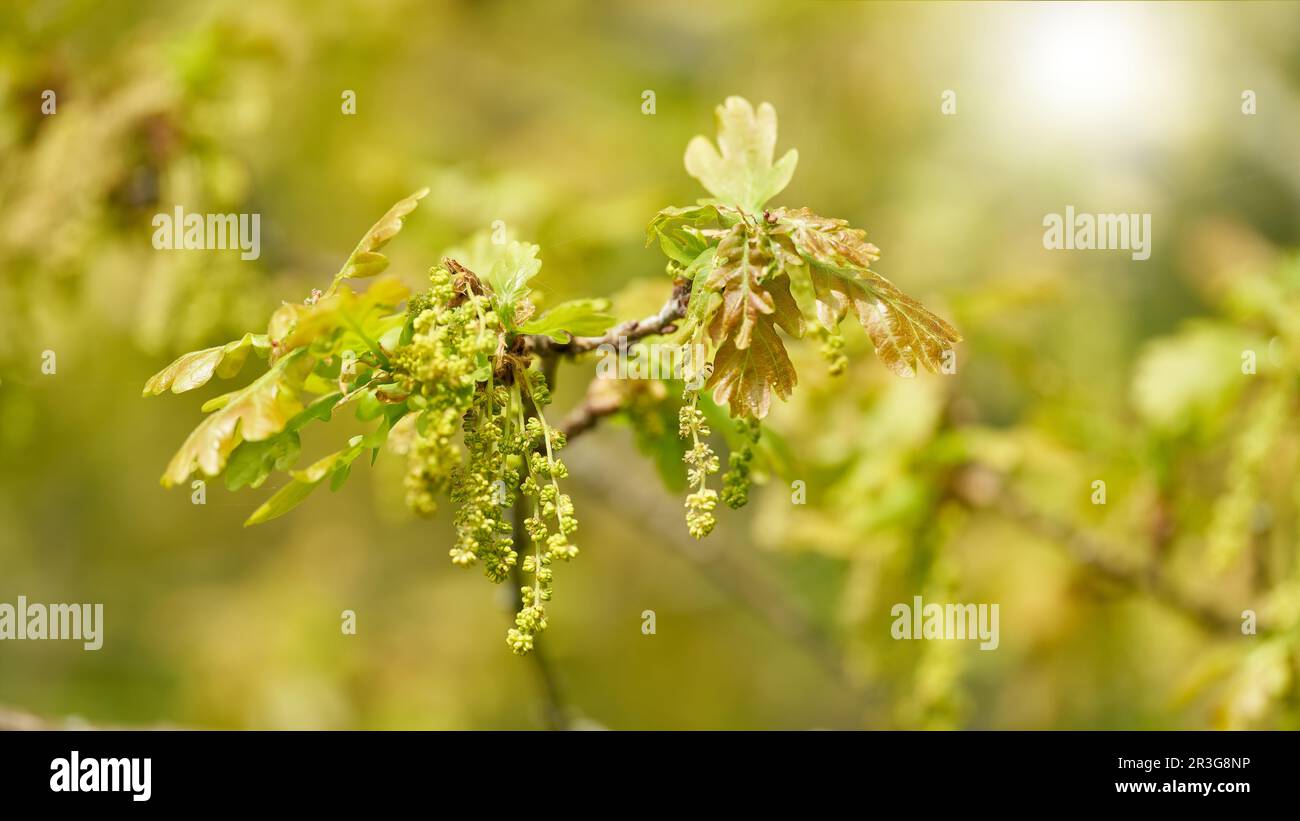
x: 660, y: 322
x: 593, y: 407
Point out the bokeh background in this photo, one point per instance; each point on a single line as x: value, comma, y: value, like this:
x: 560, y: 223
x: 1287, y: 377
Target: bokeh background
x: 1077, y: 367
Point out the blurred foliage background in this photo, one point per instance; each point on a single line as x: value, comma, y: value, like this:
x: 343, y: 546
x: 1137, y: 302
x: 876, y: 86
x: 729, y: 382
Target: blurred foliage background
x: 1077, y: 367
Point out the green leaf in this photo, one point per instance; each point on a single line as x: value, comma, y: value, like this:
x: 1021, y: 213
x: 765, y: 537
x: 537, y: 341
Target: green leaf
x: 740, y: 171
x: 701, y: 306
x: 577, y: 317
x: 194, y: 369
x: 336, y: 467
x: 365, y: 260
x: 509, y: 276
x: 703, y: 262
x: 304, y: 482
x: 320, y: 409
x: 252, y: 462
x: 284, y: 500
x: 258, y: 412
x: 296, y: 325
x: 506, y: 267
x: 368, y: 405
x: 679, y: 231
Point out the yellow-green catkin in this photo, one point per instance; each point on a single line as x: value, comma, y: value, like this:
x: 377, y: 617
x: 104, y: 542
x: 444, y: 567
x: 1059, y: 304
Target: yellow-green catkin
x: 702, y: 462
x: 551, y: 522
x: 737, y: 480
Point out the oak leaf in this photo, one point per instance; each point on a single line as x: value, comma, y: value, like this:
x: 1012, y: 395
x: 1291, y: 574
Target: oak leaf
x: 837, y: 263
x: 740, y: 171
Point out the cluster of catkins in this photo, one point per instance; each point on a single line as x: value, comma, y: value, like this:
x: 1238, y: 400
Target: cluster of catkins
x: 482, y: 439
x: 451, y: 332
x: 454, y: 378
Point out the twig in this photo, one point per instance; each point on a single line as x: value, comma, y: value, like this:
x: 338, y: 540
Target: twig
x: 660, y: 322
x: 593, y: 407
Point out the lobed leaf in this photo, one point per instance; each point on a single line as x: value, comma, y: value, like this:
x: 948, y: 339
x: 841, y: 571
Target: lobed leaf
x: 836, y: 259
x: 512, y: 269
x: 739, y: 305
x: 296, y: 325
x: 195, y: 369
x: 577, y: 317
x: 365, y: 260
x: 258, y: 412
x: 740, y: 171
x: 743, y: 261
x: 679, y: 231
x: 252, y: 462
x: 506, y: 267
x: 745, y: 378
x: 334, y: 467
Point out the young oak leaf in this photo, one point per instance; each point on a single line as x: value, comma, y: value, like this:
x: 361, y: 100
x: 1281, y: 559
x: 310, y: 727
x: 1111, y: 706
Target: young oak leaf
x: 303, y: 483
x: 258, y: 412
x: 510, y: 274
x: 194, y: 369
x: 252, y: 462
x: 740, y: 170
x: 335, y: 467
x: 744, y: 259
x: 577, y: 317
x: 506, y: 267
x: 295, y: 325
x: 701, y: 306
x: 746, y: 378
x: 680, y: 231
x: 365, y: 260
x: 903, y: 331
x: 830, y: 240
x: 752, y: 364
